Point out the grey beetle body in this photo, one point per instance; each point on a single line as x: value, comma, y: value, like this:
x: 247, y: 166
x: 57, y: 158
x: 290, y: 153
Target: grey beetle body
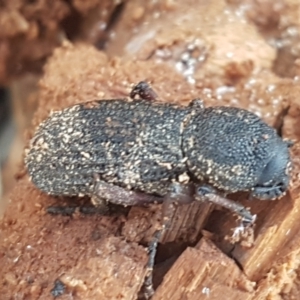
x: 144, y: 146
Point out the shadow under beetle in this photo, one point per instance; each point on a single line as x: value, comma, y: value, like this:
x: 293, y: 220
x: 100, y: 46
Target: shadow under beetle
x: 138, y: 151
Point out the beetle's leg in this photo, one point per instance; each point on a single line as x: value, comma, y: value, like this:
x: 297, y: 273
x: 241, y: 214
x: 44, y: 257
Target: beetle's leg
x: 61, y: 210
x: 69, y: 210
x: 152, y: 248
x: 118, y: 195
x: 244, y: 231
x: 144, y: 91
x: 179, y: 194
x: 207, y: 193
x: 104, y: 193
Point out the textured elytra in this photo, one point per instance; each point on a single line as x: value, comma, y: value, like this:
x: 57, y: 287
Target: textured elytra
x: 145, y: 146
x: 136, y: 145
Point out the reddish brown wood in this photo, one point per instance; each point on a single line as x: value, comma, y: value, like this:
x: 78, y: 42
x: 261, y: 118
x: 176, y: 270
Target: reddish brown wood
x: 204, y: 272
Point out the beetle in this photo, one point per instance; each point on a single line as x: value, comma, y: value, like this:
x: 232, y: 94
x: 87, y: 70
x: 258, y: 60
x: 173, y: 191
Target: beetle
x: 138, y: 151
x: 144, y: 146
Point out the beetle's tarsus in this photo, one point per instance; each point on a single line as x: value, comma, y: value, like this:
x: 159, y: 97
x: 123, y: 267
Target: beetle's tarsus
x: 70, y: 210
x: 152, y: 249
x: 61, y: 210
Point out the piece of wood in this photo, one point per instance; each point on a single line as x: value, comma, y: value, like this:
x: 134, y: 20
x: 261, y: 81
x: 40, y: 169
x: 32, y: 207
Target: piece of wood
x: 280, y: 226
x: 204, y: 272
x: 185, y: 225
x: 114, y: 273
x: 82, y: 251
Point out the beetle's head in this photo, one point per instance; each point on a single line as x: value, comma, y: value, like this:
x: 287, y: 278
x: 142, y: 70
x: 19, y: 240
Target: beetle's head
x: 274, y: 179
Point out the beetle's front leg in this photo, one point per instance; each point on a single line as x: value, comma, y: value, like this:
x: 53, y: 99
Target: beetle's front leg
x: 245, y: 229
x: 207, y: 193
x: 179, y: 194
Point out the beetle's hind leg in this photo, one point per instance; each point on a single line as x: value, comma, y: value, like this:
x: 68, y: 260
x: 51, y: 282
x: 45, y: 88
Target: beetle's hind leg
x: 61, y: 210
x: 99, y: 204
x: 179, y: 194
x: 152, y: 249
x: 69, y: 210
x: 119, y: 195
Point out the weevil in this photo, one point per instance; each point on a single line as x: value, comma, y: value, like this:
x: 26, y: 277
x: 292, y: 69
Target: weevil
x: 138, y: 151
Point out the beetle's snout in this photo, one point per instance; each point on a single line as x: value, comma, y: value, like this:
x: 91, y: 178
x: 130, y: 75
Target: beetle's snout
x: 274, y: 179
x: 275, y: 171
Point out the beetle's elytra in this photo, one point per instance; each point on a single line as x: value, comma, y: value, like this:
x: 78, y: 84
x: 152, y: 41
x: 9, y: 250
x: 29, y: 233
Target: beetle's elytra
x: 145, y: 146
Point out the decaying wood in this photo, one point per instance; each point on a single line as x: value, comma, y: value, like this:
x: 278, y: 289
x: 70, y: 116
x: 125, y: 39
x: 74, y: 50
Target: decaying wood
x: 185, y: 225
x: 280, y: 227
x: 102, y: 255
x: 99, y: 277
x: 204, y: 272
x: 84, y: 252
